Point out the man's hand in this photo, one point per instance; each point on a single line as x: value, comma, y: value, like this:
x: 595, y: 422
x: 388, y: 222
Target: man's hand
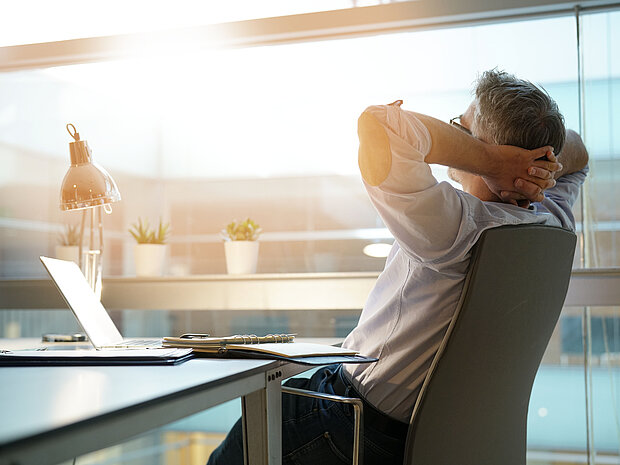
x: 520, y: 176
x: 574, y: 157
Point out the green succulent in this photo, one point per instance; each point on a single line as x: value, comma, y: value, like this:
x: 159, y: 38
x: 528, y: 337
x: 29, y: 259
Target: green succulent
x: 143, y: 234
x: 247, y: 230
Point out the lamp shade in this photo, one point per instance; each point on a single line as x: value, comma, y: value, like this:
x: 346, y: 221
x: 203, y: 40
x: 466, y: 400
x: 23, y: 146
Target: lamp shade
x: 86, y: 184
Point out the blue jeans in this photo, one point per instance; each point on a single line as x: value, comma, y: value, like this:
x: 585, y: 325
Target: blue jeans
x: 316, y: 431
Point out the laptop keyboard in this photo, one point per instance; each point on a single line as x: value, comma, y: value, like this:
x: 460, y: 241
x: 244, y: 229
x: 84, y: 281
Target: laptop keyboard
x: 140, y: 343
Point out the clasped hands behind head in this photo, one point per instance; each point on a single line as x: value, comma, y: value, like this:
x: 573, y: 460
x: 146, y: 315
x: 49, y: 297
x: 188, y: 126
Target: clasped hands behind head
x: 541, y: 170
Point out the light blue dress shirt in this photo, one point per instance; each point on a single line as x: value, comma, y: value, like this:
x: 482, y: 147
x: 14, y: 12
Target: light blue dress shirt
x: 435, y: 226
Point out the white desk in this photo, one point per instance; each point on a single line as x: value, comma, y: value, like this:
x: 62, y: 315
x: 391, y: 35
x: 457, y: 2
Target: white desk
x: 52, y: 414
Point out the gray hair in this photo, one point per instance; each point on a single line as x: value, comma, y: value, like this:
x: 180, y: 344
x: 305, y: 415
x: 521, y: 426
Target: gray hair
x: 513, y: 111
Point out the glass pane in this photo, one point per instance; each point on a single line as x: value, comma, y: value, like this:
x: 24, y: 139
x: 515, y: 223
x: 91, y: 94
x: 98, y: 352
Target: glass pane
x: 601, y: 44
x: 556, y: 427
x: 35, y: 323
x: 189, y: 441
x: 557, y: 410
x: 265, y: 132
x: 601, y: 41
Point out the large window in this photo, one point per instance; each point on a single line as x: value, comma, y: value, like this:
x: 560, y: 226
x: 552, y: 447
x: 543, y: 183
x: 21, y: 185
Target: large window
x: 266, y: 132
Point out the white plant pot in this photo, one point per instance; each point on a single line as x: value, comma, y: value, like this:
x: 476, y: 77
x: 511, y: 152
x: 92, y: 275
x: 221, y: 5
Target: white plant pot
x: 68, y: 252
x: 149, y: 259
x: 241, y: 256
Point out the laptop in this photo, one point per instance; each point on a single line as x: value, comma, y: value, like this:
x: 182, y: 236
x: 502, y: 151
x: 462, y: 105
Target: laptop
x: 90, y: 313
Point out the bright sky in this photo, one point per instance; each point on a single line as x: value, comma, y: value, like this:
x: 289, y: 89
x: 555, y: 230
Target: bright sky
x: 72, y: 19
x: 279, y: 110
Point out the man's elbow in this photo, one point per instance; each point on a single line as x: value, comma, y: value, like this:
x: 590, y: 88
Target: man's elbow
x: 574, y: 156
x: 581, y: 153
x: 375, y: 154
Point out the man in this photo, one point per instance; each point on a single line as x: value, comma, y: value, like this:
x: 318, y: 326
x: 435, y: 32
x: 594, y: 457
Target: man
x: 434, y: 226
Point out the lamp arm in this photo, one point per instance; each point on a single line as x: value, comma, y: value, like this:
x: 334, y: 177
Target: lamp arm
x: 100, y: 220
x: 81, y: 251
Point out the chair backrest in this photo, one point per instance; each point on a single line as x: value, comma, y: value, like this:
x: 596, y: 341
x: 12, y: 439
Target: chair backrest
x: 472, y: 408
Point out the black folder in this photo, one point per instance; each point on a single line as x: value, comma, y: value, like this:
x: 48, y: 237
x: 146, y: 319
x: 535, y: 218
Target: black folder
x: 94, y: 357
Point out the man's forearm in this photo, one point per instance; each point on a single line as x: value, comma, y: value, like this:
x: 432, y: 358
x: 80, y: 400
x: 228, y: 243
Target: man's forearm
x: 498, y: 165
x: 574, y: 156
x: 456, y: 149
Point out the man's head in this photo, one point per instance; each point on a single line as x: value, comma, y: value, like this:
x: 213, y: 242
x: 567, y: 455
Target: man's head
x: 510, y: 111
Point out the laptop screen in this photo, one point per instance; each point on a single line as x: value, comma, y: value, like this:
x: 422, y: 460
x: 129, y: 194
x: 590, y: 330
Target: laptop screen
x: 88, y: 310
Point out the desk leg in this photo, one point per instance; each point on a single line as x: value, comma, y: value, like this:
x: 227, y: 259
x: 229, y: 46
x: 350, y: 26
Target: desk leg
x: 262, y: 422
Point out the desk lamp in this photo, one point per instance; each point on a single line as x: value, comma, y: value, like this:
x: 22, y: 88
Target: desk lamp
x: 88, y: 187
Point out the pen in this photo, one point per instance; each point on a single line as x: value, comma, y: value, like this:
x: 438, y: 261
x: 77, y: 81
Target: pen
x: 194, y: 335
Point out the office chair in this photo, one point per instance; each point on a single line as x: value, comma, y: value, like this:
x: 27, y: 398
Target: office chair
x: 472, y: 407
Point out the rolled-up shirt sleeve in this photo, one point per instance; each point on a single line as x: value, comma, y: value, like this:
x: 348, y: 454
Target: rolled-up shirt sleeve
x: 425, y: 216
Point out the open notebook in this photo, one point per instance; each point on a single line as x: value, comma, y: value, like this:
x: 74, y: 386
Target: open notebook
x: 279, y: 346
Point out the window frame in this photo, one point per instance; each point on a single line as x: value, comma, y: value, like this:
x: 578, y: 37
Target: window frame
x: 352, y: 22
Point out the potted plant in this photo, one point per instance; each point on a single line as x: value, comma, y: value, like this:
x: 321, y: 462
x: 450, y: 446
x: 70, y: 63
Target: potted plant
x: 150, y: 250
x: 241, y: 246
x: 68, y: 247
